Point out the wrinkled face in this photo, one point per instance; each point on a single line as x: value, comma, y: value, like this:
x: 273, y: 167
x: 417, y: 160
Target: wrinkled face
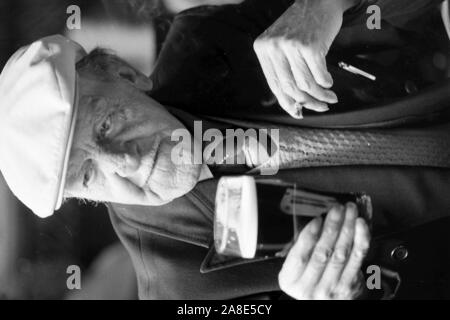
x: 122, y: 147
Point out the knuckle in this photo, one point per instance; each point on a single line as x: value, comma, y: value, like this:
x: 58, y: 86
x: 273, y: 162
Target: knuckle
x: 289, y: 44
x: 305, y: 85
x: 314, y: 236
x: 321, y: 255
x: 274, y: 43
x: 347, y: 232
x: 307, y: 50
x: 291, y: 89
x: 300, y: 46
x: 303, y: 260
x: 340, y: 255
x: 287, y: 85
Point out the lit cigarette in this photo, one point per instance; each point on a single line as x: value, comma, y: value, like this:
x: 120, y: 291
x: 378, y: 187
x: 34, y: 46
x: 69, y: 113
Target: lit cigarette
x: 355, y: 70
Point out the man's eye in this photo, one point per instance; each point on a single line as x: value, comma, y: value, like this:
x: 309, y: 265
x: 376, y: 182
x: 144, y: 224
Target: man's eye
x: 105, y: 128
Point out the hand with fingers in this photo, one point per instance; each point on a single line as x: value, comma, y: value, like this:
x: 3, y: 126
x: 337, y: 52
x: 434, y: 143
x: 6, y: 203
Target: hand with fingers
x: 325, y: 262
x: 292, y: 54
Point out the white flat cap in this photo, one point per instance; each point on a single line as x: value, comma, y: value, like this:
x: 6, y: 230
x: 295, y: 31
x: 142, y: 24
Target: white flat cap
x: 38, y: 107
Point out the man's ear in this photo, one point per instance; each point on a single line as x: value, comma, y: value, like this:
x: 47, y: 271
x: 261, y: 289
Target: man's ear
x: 123, y: 70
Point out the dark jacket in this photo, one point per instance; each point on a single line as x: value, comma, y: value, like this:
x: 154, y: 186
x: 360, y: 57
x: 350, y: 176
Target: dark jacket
x: 171, y: 246
x: 207, y: 67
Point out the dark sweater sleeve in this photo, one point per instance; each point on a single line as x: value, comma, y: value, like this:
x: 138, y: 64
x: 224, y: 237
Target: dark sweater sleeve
x: 393, y: 11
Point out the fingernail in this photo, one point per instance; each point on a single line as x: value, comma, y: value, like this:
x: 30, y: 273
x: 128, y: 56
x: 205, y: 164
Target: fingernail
x: 336, y: 213
x: 316, y: 225
x: 350, y: 205
x: 298, y: 112
x: 352, y: 211
x: 327, y: 82
x: 330, y: 79
x: 333, y: 98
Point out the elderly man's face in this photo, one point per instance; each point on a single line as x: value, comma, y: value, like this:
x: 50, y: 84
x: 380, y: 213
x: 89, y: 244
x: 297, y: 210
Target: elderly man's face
x: 122, y: 148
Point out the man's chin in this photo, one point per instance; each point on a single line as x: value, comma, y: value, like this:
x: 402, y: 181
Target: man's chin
x: 169, y: 180
x: 169, y: 185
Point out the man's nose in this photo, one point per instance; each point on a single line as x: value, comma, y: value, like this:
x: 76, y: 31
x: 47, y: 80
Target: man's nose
x: 123, y: 164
